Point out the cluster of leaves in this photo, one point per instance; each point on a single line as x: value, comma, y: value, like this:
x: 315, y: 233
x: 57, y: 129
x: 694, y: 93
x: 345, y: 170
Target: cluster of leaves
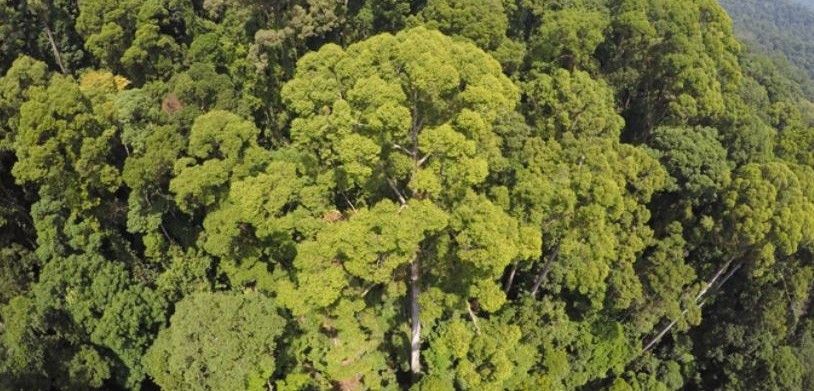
x: 398, y: 194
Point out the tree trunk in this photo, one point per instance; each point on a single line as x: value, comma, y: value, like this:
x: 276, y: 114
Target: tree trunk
x: 510, y: 280
x: 544, y: 272
x: 54, y: 48
x: 664, y: 331
x: 715, y: 278
x: 473, y: 316
x: 698, y: 298
x: 540, y: 278
x: 415, y: 312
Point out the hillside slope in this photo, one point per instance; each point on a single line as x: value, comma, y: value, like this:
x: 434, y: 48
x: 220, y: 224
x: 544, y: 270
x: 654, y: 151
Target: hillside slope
x: 777, y: 27
x: 807, y: 3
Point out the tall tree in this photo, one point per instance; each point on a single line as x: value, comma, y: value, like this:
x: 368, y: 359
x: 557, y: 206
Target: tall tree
x: 64, y: 145
x: 409, y: 118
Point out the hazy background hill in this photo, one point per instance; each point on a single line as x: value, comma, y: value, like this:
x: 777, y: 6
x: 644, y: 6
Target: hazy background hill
x: 783, y: 29
x: 808, y: 3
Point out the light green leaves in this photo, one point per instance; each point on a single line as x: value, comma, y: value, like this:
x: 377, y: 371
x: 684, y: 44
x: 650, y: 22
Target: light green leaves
x: 416, y: 96
x: 483, y: 22
x: 571, y: 102
x: 589, y: 197
x: 221, y: 146
x: 491, y: 357
x: 569, y: 37
x: 695, y: 159
x: 131, y: 36
x: 25, y: 72
x: 767, y: 210
x: 371, y: 245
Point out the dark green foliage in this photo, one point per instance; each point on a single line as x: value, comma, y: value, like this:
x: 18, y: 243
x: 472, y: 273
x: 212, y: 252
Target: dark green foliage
x: 779, y: 27
x: 696, y: 161
x: 85, y: 316
x: 17, y: 271
x: 46, y: 30
x: 405, y: 194
x: 217, y: 341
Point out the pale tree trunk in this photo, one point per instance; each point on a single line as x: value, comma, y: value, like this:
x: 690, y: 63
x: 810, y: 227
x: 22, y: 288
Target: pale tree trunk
x: 544, y: 271
x: 698, y: 300
x: 714, y: 278
x: 415, y: 313
x: 473, y: 317
x: 540, y: 278
x: 665, y: 330
x: 510, y: 280
x: 415, y: 266
x: 415, y: 308
x: 57, y: 55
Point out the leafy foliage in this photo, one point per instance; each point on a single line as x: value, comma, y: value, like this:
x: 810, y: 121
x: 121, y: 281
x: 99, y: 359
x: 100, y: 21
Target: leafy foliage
x: 403, y: 194
x: 217, y: 341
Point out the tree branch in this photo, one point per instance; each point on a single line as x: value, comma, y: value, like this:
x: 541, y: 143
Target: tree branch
x: 714, y: 278
x: 508, y: 286
x: 405, y: 150
x: 345, y: 196
x: 546, y: 268
x: 395, y: 188
x: 473, y: 317
x: 421, y: 161
x: 667, y: 328
x: 415, y: 317
x: 54, y: 48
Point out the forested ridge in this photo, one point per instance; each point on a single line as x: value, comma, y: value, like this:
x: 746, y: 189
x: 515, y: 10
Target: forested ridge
x: 781, y: 29
x: 807, y: 3
x: 400, y: 194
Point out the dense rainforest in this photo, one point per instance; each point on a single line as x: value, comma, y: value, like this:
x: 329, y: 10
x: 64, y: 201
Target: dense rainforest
x: 780, y: 29
x: 400, y: 194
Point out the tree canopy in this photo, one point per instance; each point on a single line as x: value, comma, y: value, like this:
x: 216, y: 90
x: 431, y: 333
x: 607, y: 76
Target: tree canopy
x: 402, y: 194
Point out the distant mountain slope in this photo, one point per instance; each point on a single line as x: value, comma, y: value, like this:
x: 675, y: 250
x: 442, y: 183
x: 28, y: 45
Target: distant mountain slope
x: 779, y: 27
x: 808, y: 3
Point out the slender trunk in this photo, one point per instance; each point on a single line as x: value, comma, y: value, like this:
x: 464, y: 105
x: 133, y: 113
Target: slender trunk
x: 510, y: 280
x: 664, y: 331
x: 57, y: 55
x: 415, y: 312
x: 166, y: 234
x: 714, y: 278
x: 473, y: 317
x: 415, y: 266
x: 544, y: 271
x: 704, y: 291
x: 541, y: 277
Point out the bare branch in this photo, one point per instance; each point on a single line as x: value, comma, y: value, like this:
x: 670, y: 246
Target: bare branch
x: 714, y: 278
x: 664, y: 331
x: 415, y: 317
x: 473, y: 317
x: 345, y: 196
x: 405, y: 150
x: 510, y: 280
x: 366, y: 291
x: 395, y: 188
x: 544, y: 272
x: 55, y: 50
x: 421, y: 161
